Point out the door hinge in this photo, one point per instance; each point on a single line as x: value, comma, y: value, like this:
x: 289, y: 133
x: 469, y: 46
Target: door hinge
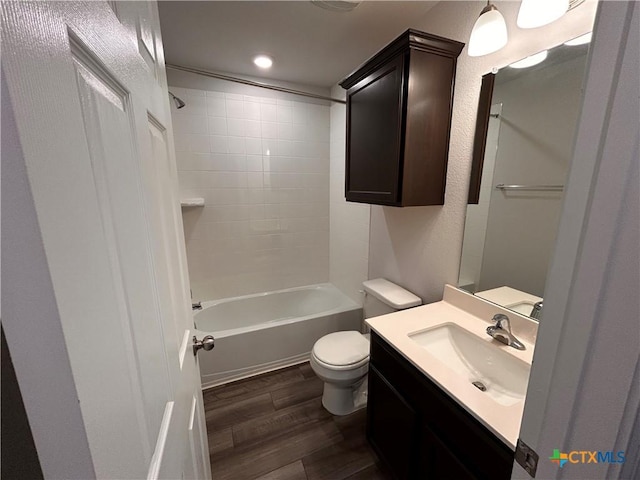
x: 527, y: 458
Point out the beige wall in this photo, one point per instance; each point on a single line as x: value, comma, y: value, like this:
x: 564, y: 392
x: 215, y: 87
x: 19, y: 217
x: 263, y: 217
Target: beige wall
x: 419, y: 247
x: 349, y: 222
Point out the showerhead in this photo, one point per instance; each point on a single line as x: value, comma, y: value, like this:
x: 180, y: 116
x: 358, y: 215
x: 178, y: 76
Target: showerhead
x: 179, y: 103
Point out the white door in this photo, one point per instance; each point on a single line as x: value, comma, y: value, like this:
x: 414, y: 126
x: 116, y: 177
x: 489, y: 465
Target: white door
x: 87, y: 84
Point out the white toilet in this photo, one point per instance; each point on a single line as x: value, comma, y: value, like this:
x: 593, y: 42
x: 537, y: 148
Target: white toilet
x: 341, y: 359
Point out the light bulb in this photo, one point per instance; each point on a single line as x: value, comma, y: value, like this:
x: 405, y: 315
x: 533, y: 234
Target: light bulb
x: 489, y: 33
x: 536, y: 13
x: 263, y: 61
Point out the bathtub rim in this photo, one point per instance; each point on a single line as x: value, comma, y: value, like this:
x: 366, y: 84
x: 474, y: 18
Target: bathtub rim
x: 348, y: 305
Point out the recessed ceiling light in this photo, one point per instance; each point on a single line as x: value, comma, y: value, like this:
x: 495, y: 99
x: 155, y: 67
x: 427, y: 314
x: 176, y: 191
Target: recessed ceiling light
x: 531, y: 60
x: 581, y: 40
x: 263, y: 61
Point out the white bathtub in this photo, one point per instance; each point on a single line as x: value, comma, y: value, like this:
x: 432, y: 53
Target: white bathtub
x: 258, y: 333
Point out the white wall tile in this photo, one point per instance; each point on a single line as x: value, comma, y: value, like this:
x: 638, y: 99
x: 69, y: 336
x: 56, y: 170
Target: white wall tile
x: 235, y: 127
x: 218, y: 143
x: 253, y: 146
x: 285, y: 131
x: 268, y: 113
x: 269, y: 130
x: 181, y: 143
x: 254, y: 163
x: 190, y: 124
x: 252, y: 111
x: 235, y: 108
x: 215, y: 107
x: 217, y: 125
x: 253, y: 128
x: 284, y: 113
x: 269, y: 146
x: 236, y: 145
x: 299, y: 113
x: 262, y: 166
x: 254, y: 179
x: 198, y: 143
x: 227, y: 163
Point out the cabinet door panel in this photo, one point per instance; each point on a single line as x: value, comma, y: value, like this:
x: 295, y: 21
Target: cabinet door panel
x: 428, y: 123
x: 374, y: 145
x: 391, y: 425
x: 437, y: 462
x: 456, y: 431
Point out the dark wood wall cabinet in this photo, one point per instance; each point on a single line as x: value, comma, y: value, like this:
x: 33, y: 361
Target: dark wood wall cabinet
x: 399, y: 107
x: 419, y: 432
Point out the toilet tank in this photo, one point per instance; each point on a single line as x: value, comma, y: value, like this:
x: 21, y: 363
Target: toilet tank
x: 383, y: 296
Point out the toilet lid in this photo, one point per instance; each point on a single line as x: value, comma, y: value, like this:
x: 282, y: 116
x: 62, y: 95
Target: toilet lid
x: 342, y: 348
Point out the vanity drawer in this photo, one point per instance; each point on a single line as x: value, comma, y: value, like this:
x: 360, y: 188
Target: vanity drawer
x: 450, y: 427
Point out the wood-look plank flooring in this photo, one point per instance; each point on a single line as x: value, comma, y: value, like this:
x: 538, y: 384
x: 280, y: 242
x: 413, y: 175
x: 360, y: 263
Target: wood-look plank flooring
x: 274, y: 427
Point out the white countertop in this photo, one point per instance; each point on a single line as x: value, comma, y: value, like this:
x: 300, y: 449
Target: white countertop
x: 511, y: 298
x: 474, y: 315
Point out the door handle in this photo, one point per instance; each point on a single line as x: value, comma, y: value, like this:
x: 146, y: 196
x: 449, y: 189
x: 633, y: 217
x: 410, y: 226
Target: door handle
x: 207, y: 343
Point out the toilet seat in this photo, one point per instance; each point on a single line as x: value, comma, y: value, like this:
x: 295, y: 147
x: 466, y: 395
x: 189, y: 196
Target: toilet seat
x: 342, y: 350
x: 336, y: 368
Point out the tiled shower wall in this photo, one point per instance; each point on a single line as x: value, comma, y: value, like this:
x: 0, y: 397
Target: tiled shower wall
x: 262, y: 166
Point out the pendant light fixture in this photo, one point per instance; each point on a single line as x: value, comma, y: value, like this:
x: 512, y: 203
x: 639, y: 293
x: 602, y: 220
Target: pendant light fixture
x: 489, y: 33
x: 536, y: 13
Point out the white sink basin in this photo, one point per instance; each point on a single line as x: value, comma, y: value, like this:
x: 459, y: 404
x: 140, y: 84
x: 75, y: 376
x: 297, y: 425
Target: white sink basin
x: 503, y: 376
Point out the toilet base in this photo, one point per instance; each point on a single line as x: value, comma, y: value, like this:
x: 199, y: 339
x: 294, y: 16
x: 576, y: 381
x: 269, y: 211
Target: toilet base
x: 345, y: 400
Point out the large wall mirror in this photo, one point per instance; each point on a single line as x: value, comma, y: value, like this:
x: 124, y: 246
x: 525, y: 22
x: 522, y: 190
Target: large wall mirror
x: 530, y: 117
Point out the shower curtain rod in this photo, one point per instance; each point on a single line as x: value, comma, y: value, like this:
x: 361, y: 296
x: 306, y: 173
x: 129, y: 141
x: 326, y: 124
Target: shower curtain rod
x: 220, y: 76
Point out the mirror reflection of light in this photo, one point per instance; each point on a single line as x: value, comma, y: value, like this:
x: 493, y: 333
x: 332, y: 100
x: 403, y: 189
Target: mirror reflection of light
x: 581, y: 40
x: 531, y: 60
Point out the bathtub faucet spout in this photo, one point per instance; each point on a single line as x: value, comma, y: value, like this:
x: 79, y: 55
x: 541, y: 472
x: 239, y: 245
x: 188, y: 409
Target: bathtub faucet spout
x: 196, y: 306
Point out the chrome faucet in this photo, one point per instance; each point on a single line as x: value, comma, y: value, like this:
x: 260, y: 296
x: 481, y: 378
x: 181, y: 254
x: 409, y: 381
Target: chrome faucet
x: 536, y: 312
x: 501, y: 331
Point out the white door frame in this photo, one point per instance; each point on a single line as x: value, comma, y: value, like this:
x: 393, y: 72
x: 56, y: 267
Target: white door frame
x: 582, y: 394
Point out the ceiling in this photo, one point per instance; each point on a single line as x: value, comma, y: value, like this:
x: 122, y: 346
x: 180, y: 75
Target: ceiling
x: 309, y: 45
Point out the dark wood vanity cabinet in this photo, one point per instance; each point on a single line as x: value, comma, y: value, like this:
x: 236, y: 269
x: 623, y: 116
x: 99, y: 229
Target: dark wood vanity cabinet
x: 419, y: 432
x: 398, y: 121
